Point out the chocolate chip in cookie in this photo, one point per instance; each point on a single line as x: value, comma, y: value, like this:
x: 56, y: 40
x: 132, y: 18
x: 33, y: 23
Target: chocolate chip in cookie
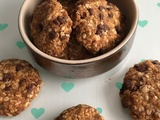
x: 140, y: 91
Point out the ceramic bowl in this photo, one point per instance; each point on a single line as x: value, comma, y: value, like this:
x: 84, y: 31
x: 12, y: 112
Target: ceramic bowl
x: 81, y: 68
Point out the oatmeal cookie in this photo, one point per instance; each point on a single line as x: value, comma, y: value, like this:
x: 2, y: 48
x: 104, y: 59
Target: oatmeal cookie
x: 140, y: 91
x: 80, y: 112
x: 68, y: 5
x: 19, y: 84
x: 99, y: 25
x: 77, y: 51
x: 50, y: 27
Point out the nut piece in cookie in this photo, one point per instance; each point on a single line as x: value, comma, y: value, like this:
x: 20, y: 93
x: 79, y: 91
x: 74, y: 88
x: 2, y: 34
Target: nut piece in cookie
x: 80, y: 112
x: 19, y: 84
x: 99, y: 25
x: 50, y: 28
x: 140, y: 91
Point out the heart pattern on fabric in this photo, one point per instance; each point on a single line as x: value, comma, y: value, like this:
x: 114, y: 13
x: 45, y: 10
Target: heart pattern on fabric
x: 67, y: 86
x: 37, y: 112
x: 99, y: 110
x: 3, y: 26
x: 20, y: 44
x: 119, y: 85
x: 142, y: 23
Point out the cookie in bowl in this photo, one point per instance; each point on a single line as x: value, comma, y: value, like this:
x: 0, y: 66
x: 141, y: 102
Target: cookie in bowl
x: 50, y: 28
x: 76, y: 51
x: 99, y: 25
x: 19, y: 84
x: 140, y: 91
x: 76, y: 66
x: 80, y: 112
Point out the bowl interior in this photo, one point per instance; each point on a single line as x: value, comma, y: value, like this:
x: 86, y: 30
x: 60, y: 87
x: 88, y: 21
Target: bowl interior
x: 128, y: 8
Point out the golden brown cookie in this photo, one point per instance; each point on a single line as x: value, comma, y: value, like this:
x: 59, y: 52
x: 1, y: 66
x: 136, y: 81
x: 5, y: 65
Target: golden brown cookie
x: 50, y: 28
x: 140, y: 91
x: 68, y: 5
x: 19, y: 84
x: 76, y: 51
x: 99, y: 25
x: 80, y: 112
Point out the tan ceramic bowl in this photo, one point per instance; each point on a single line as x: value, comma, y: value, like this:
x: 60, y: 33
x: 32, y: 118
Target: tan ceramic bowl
x: 81, y: 68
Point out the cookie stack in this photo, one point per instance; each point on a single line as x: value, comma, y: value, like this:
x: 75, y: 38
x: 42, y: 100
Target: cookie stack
x: 93, y: 26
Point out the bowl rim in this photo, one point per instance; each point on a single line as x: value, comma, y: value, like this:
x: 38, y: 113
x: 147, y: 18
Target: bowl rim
x: 84, y: 61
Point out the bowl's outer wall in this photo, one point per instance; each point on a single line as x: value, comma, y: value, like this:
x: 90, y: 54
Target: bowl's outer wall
x: 83, y: 70
x: 86, y: 69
